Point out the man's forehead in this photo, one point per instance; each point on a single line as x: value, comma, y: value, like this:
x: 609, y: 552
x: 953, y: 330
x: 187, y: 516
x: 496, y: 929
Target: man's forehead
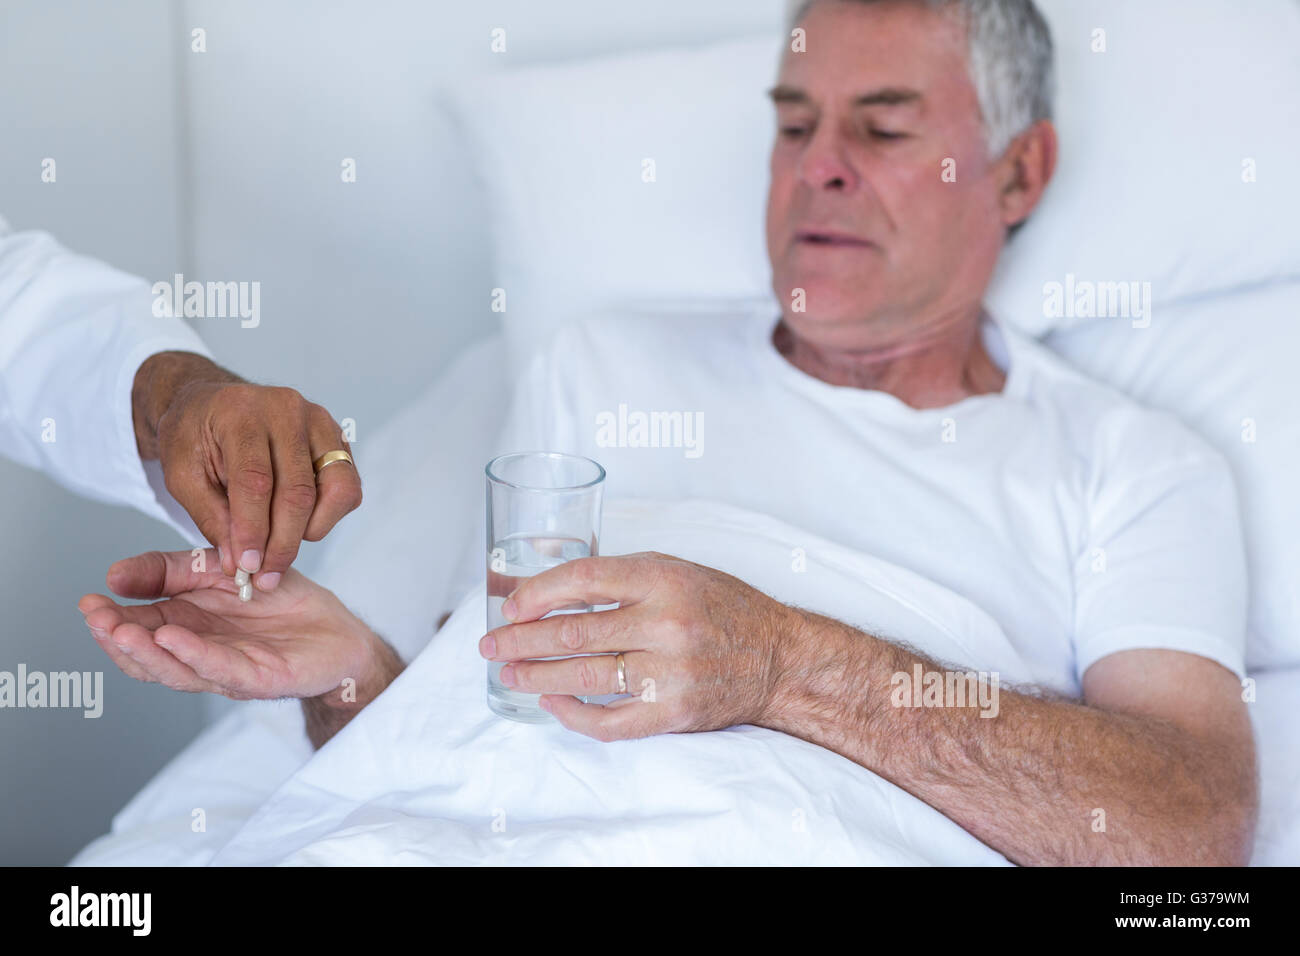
x: 885, y: 53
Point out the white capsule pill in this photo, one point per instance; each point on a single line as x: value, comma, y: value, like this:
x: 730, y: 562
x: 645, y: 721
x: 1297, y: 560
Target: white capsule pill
x: 242, y: 577
x: 245, y: 592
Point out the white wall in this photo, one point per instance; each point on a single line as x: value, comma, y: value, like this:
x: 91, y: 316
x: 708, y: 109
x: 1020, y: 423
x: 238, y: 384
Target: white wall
x: 90, y: 85
x: 224, y: 165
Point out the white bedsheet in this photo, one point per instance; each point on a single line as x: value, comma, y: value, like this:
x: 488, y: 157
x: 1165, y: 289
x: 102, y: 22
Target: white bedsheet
x: 427, y: 774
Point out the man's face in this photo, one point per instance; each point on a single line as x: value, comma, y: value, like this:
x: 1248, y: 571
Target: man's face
x: 859, y: 214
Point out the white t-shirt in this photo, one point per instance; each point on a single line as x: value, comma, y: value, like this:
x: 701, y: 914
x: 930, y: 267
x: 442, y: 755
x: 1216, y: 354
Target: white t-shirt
x: 1082, y: 522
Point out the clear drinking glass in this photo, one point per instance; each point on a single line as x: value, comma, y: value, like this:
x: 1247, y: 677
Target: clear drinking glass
x: 543, y: 508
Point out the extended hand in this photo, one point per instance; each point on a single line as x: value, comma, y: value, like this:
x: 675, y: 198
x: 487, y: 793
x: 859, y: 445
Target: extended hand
x: 702, y: 650
x: 297, y: 641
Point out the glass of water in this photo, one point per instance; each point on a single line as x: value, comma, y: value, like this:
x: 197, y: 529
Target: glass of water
x: 543, y: 508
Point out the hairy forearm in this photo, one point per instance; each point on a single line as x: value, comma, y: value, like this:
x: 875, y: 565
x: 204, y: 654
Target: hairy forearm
x: 329, y: 713
x: 156, y: 383
x: 1045, y: 781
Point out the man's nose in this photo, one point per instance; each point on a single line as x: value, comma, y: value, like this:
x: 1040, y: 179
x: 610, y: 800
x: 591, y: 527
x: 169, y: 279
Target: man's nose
x: 824, y: 164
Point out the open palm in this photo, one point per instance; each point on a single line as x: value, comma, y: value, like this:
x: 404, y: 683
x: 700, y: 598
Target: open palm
x: 296, y: 641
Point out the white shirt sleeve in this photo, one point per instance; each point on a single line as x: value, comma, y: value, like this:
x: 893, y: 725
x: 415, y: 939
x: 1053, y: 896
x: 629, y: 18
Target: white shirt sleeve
x: 1164, y: 565
x: 73, y: 332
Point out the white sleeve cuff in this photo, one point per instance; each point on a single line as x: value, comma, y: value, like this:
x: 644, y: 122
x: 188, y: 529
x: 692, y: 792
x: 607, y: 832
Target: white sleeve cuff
x: 1230, y: 654
x: 143, y: 486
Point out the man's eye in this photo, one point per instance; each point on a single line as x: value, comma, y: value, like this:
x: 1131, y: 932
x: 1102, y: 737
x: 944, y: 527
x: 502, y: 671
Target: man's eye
x: 794, y: 132
x: 886, y: 134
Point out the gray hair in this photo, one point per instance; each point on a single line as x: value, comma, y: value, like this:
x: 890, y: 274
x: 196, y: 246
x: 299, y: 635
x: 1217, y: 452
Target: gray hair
x: 1010, y: 53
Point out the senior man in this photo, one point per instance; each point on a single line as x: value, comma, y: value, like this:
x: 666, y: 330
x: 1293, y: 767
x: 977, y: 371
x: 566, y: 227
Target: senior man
x: 887, y: 411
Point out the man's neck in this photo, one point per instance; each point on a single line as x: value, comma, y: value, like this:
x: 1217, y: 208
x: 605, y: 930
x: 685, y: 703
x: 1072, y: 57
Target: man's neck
x: 938, y: 368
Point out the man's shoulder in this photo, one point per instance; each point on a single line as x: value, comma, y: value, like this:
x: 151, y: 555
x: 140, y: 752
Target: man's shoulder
x: 1104, y: 424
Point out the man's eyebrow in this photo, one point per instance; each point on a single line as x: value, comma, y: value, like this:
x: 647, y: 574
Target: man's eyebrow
x: 889, y: 96
x: 787, y: 94
x: 886, y: 96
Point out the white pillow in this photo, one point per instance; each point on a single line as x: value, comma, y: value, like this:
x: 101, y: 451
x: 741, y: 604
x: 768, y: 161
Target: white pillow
x: 1226, y: 366
x: 575, y: 226
x: 1154, y: 136
x: 1154, y: 132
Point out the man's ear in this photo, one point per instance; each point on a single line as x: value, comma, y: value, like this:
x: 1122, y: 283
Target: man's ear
x: 1024, y: 171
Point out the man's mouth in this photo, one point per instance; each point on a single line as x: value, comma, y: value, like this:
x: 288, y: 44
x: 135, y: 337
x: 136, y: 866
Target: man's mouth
x: 830, y: 238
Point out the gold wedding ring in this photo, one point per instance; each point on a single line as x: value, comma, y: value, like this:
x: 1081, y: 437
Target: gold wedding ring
x: 329, y: 458
x: 622, y: 674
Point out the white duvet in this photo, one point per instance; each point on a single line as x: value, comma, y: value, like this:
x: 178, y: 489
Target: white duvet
x: 428, y: 775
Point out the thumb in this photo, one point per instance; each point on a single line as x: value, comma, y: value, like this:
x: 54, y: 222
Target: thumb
x: 158, y: 574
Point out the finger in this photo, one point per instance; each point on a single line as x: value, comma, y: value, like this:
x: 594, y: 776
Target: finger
x: 621, y: 720
x: 109, y: 617
x: 338, y: 485
x: 124, y: 663
x: 504, y: 585
x: 250, y: 484
x: 211, y: 513
x: 221, y: 664
x: 138, y: 643
x: 158, y: 574
x: 622, y: 580
x: 616, y: 630
x: 91, y: 602
x: 580, y: 676
x: 292, y: 502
